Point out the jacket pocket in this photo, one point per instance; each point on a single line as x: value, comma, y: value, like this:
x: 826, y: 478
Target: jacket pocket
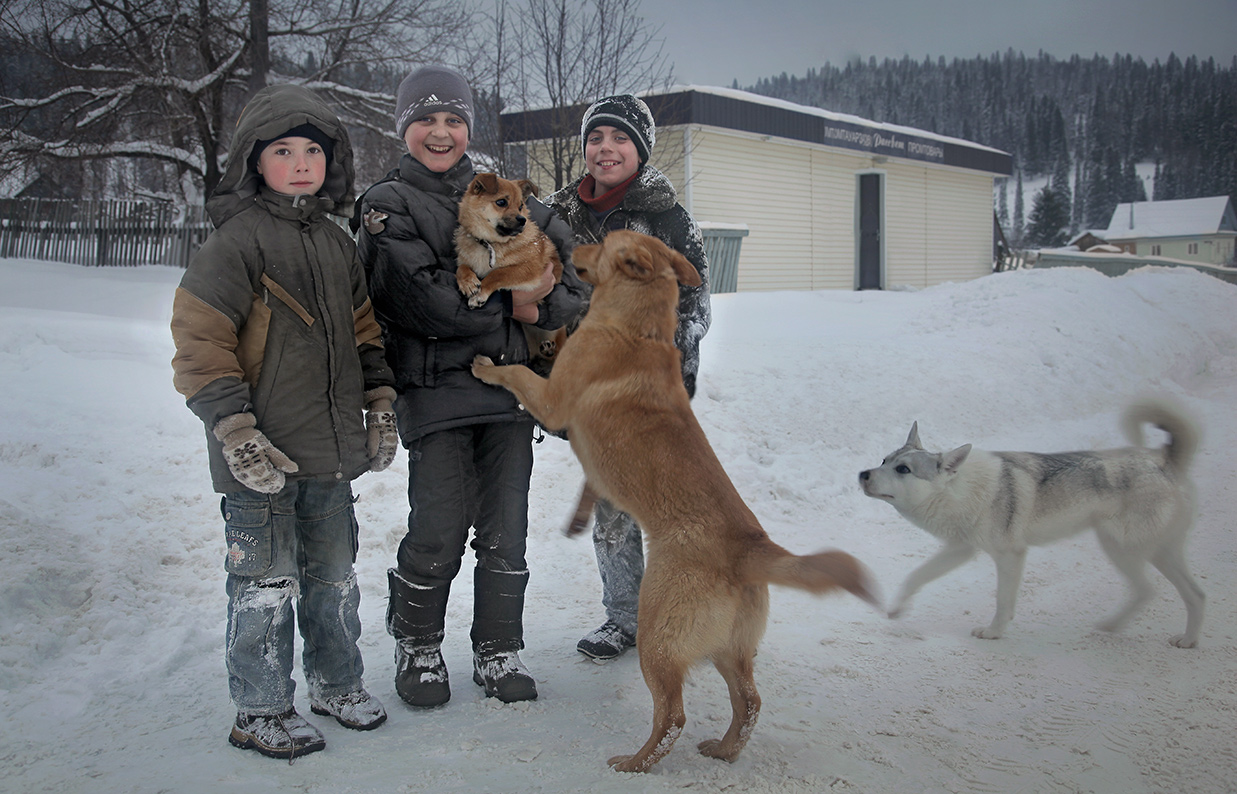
x: 286, y: 298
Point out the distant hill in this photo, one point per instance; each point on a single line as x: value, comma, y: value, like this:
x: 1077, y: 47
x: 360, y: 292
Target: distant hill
x: 1084, y: 123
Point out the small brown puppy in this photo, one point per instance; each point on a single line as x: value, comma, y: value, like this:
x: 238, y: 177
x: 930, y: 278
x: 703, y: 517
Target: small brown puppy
x: 495, y: 244
x: 617, y: 388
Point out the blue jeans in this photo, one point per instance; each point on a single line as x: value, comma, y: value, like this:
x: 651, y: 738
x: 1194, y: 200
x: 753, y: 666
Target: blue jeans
x: 620, y: 560
x: 297, y: 545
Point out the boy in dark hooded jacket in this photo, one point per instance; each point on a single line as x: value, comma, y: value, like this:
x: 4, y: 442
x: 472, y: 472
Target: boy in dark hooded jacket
x: 279, y: 354
x: 469, y: 444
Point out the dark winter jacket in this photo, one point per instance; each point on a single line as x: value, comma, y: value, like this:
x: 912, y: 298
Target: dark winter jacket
x: 272, y: 315
x: 431, y: 333
x: 650, y: 207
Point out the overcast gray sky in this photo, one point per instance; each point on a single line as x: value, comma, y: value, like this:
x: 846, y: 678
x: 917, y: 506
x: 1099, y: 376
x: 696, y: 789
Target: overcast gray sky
x: 713, y: 43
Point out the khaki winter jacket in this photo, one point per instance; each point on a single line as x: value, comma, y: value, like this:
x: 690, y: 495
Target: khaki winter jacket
x: 651, y: 207
x: 272, y: 315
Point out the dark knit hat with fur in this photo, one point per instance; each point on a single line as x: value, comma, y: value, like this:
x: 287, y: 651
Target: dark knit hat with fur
x: 628, y: 113
x: 431, y: 89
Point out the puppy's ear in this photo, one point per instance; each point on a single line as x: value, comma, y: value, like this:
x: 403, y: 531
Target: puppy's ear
x: 484, y: 183
x: 912, y: 440
x: 527, y: 188
x: 950, y: 461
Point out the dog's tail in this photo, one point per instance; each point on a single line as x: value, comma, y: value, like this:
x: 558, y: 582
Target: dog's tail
x: 817, y: 573
x: 1171, y: 417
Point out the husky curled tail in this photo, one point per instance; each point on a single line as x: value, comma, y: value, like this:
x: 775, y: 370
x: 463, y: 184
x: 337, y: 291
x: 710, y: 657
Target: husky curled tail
x: 1183, y: 434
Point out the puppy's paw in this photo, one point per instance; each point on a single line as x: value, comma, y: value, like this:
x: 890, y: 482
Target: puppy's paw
x: 1182, y: 641
x: 986, y: 633
x: 468, y: 282
x: 478, y: 299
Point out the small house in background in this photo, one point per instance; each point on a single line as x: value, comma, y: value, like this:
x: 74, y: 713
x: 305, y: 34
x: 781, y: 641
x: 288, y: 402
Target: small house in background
x: 1093, y: 240
x: 829, y: 201
x: 1196, y: 230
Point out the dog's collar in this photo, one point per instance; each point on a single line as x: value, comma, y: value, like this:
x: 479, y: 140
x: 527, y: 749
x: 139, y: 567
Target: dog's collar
x: 486, y: 245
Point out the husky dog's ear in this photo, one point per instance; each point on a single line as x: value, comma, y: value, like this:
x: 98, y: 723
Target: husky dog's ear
x: 950, y: 461
x: 912, y: 440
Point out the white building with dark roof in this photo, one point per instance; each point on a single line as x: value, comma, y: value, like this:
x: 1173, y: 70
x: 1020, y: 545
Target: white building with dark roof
x: 830, y: 200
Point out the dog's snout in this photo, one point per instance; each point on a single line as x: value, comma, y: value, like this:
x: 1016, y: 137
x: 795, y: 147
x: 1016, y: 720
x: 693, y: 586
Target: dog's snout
x: 863, y: 475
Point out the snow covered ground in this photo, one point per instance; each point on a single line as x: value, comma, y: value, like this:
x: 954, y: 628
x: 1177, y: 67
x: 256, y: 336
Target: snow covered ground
x: 112, y: 600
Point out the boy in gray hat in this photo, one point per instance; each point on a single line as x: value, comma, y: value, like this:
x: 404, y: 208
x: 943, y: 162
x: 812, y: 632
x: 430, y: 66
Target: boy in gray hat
x: 469, y: 444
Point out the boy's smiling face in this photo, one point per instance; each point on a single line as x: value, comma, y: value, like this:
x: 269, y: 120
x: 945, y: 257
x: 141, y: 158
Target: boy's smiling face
x: 293, y: 166
x: 437, y: 140
x: 610, y: 157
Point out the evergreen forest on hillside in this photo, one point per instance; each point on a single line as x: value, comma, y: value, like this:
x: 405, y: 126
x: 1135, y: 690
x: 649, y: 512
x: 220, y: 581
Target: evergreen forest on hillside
x: 1083, y: 124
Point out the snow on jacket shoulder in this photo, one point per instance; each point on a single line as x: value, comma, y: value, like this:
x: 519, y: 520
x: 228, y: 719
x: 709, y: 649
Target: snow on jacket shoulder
x: 273, y: 315
x: 430, y: 332
x: 651, y: 207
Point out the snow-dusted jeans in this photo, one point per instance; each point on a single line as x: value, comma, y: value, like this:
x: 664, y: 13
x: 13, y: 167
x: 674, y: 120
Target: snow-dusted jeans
x: 297, y: 545
x: 620, y: 560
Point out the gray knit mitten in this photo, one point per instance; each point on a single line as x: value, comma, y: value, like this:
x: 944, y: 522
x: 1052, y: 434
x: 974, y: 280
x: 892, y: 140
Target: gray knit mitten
x: 252, y: 458
x: 383, y: 437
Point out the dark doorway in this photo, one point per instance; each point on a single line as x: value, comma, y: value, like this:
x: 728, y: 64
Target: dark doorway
x: 870, y: 264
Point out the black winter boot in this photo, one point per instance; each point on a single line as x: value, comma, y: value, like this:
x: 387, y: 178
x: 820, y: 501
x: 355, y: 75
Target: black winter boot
x: 415, y: 618
x: 498, y: 635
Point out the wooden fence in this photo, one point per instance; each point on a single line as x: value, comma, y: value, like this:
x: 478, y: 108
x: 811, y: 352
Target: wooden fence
x: 101, y: 232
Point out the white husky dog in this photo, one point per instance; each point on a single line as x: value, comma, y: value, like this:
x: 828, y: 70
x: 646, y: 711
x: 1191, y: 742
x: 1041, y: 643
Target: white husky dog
x: 1139, y: 501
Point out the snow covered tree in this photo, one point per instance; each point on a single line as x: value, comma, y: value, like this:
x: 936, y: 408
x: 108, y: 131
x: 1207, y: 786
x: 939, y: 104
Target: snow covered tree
x: 1019, y: 212
x: 1049, y: 219
x: 158, y: 82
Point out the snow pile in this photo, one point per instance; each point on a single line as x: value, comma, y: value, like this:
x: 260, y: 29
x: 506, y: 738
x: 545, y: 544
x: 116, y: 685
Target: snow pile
x: 112, y: 602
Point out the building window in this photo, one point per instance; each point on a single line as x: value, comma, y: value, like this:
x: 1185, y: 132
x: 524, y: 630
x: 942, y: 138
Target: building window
x: 1155, y: 250
x: 1193, y: 247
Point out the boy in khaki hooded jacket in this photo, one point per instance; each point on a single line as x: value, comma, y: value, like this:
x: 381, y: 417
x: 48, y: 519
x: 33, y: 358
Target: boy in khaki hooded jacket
x: 278, y: 352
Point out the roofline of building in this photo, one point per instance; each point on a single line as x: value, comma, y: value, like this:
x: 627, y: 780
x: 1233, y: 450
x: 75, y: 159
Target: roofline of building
x: 746, y: 112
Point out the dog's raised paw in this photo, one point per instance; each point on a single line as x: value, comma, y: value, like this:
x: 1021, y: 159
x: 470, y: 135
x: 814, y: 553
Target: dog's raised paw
x: 481, y: 364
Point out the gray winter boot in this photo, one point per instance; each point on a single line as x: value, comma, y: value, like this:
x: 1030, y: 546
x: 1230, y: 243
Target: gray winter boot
x: 498, y: 635
x: 415, y: 617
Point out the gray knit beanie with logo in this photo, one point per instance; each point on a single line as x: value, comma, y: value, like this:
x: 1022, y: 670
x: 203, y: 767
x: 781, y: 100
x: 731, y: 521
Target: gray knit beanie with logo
x: 628, y: 113
x: 430, y: 89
